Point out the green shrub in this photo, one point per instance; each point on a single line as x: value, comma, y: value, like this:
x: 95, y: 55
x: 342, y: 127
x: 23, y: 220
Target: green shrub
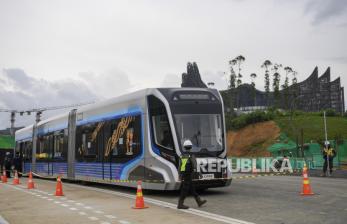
x: 329, y: 113
x: 247, y: 119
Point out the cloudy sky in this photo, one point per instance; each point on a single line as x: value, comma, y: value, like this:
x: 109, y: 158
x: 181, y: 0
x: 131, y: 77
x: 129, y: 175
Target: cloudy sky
x: 64, y: 52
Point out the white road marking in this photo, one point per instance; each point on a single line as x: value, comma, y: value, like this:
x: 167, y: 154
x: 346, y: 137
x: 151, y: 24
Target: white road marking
x: 99, y: 212
x: 50, y: 194
x: 164, y: 204
x: 82, y: 213
x: 105, y: 223
x: 123, y: 222
x: 80, y: 204
x: 44, y: 197
x: 50, y: 199
x: 3, y: 221
x: 110, y: 216
x: 62, y: 198
x: 93, y: 218
x: 88, y: 207
x: 57, y: 202
x: 73, y: 209
x: 65, y: 205
x: 71, y: 201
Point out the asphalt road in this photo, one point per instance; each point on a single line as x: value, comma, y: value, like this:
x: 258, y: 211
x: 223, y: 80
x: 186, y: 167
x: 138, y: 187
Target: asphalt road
x: 275, y: 199
x: 270, y: 199
x: 81, y: 204
x: 262, y: 200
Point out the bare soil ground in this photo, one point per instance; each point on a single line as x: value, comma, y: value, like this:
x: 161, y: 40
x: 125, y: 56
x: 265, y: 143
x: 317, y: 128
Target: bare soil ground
x: 253, y: 140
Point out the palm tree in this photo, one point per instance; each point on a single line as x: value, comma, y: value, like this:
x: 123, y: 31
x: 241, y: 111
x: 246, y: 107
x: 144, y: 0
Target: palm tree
x: 239, y: 59
x: 253, y: 77
x: 266, y: 65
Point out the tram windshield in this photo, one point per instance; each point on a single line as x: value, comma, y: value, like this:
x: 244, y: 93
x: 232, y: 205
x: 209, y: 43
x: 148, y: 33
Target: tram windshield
x: 203, y: 130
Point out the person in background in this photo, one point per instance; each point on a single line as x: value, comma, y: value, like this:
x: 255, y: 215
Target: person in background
x: 329, y: 154
x: 8, y: 164
x: 17, y: 163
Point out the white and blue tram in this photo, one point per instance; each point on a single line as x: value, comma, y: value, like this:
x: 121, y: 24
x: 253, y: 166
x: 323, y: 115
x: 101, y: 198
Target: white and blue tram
x: 138, y: 136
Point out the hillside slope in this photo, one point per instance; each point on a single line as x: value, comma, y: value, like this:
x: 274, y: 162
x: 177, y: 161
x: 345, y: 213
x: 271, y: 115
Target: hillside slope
x: 313, y: 127
x: 252, y: 140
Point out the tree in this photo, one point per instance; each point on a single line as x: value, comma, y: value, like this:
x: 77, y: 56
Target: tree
x: 286, y: 85
x: 276, y: 83
x: 232, y: 79
x: 253, y: 77
x: 295, y: 88
x: 266, y: 65
x: 239, y: 59
x: 286, y: 81
x: 294, y: 80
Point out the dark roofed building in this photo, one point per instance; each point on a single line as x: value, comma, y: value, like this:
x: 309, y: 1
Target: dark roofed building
x: 312, y: 95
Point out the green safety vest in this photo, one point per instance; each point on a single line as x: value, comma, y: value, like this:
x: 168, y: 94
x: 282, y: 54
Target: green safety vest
x: 329, y: 152
x: 184, y: 161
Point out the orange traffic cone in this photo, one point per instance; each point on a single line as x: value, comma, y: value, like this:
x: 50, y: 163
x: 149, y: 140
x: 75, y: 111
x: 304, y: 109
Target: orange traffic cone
x: 30, y: 181
x: 139, y: 203
x: 306, y: 187
x: 15, y: 179
x: 4, y: 177
x: 59, y: 188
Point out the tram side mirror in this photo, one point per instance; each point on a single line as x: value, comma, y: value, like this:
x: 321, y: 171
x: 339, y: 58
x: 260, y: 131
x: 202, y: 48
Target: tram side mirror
x: 187, y: 144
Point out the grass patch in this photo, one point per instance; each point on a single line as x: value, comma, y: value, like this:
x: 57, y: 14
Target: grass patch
x: 313, y: 127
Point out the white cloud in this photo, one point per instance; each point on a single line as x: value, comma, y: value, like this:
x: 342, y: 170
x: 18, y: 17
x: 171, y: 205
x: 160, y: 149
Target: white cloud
x: 171, y: 80
x: 67, y: 45
x: 20, y: 91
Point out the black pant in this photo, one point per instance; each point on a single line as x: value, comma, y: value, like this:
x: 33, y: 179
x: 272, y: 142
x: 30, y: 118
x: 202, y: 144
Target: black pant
x: 325, y: 166
x: 187, y: 187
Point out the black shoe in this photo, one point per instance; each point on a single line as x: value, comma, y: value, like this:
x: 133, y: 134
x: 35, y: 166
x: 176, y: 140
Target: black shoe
x: 201, y: 202
x: 182, y: 206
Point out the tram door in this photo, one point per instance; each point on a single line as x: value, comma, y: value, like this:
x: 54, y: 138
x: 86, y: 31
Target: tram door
x: 19, y: 151
x: 122, y: 145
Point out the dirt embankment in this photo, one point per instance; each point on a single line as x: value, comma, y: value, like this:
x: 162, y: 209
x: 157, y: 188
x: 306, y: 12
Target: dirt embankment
x: 253, y: 140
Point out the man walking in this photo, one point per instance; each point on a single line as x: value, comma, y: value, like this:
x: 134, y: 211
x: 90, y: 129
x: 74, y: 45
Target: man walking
x: 328, y: 155
x: 187, y: 169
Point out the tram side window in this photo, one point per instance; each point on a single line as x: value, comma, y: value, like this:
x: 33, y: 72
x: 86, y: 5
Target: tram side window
x: 160, y: 124
x: 86, y: 143
x: 60, y: 148
x: 112, y: 139
x: 27, y: 151
x: 44, y: 147
x: 123, y: 138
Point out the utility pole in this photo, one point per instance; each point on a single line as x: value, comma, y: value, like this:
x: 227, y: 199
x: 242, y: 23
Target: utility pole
x: 326, y: 142
x: 12, y: 120
x: 302, y: 143
x: 38, y: 116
